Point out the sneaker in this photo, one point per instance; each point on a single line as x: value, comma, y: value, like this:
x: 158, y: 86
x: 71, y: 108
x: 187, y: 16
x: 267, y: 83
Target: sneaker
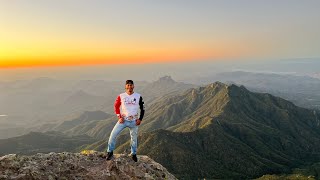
x: 134, y: 157
x: 109, y: 155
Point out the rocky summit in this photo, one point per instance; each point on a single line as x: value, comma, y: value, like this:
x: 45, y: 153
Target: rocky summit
x: 84, y: 165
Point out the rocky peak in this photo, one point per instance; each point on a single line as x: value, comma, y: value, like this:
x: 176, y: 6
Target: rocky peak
x: 216, y: 85
x: 84, y: 165
x: 210, y: 89
x: 232, y: 90
x: 166, y: 79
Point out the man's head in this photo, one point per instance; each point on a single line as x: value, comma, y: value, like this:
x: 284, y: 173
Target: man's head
x: 129, y: 86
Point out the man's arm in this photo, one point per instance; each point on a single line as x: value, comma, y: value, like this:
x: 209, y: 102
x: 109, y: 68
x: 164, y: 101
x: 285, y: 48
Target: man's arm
x: 117, y: 105
x: 141, y: 104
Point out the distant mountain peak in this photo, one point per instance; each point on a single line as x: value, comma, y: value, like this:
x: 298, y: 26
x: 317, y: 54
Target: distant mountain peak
x: 166, y: 79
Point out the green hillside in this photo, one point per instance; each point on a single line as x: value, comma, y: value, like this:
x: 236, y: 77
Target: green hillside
x: 221, y: 131
x: 308, y: 172
x: 215, y: 132
x: 36, y: 142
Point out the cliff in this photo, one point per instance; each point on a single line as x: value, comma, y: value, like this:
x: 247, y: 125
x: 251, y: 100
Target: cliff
x: 84, y: 165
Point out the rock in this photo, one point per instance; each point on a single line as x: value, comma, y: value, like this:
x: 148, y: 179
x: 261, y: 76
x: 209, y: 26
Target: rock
x: 87, y: 165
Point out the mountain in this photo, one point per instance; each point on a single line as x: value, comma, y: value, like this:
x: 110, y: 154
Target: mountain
x: 37, y: 102
x: 96, y: 124
x: 83, y: 100
x: 216, y: 131
x: 225, y: 131
x: 84, y: 118
x: 42, y: 102
x: 164, y: 85
x: 309, y: 172
x: 174, y: 109
x: 30, y: 103
x: 36, y: 142
x: 301, y: 90
x: 84, y: 165
x: 101, y: 128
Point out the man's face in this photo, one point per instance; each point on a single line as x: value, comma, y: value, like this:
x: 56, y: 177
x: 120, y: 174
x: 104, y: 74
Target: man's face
x: 129, y: 88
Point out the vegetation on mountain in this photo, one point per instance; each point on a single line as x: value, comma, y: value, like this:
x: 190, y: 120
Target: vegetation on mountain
x: 36, y: 142
x: 309, y: 172
x: 226, y: 131
x: 216, y: 131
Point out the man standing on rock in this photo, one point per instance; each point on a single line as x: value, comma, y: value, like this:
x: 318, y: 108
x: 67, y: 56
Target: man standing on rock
x: 128, y: 116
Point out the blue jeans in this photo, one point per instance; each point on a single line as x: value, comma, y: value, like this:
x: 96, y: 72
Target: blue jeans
x: 117, y: 130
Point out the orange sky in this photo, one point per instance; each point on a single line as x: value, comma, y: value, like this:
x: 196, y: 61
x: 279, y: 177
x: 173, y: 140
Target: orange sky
x: 87, y: 55
x: 65, y: 33
x: 96, y: 61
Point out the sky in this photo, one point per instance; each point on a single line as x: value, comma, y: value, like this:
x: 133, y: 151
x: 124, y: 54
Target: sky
x: 43, y: 33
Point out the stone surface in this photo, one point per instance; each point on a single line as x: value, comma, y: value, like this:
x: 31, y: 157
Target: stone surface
x: 84, y: 165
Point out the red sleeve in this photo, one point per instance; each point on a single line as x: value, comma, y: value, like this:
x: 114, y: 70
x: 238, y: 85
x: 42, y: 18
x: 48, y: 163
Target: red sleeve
x: 117, y: 105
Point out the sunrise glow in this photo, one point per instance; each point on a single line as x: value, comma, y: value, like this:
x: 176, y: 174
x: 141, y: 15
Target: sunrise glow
x: 56, y: 33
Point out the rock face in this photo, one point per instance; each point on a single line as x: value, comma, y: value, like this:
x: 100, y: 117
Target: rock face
x: 92, y: 165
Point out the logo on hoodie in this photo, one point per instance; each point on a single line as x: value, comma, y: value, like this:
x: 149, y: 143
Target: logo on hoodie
x: 128, y: 100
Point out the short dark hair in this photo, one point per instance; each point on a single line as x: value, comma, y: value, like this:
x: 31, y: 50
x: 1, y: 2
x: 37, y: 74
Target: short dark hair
x: 129, y: 82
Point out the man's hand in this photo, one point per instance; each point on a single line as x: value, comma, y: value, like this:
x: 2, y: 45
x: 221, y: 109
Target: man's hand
x: 138, y: 122
x: 120, y: 120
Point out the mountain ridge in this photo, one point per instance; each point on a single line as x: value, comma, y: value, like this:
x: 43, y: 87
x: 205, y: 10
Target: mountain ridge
x: 36, y: 142
x: 230, y: 129
x: 224, y: 131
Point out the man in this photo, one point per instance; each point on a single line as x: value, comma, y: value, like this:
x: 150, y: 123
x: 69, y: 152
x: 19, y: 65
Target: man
x: 130, y: 103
